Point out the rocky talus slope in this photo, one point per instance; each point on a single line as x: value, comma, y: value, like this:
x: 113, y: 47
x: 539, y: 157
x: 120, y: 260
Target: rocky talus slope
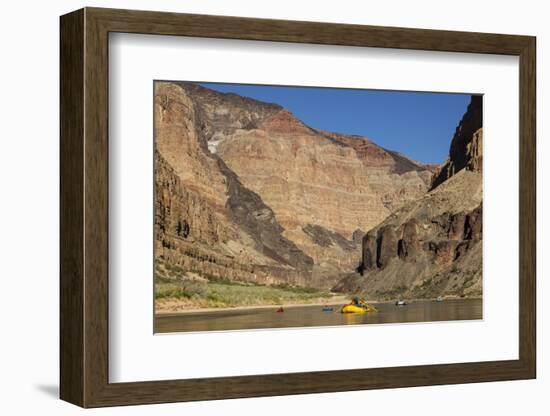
x: 245, y: 190
x: 432, y: 246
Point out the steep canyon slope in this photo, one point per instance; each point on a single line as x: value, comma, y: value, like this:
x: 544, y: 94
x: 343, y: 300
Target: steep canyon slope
x: 246, y: 191
x: 432, y: 246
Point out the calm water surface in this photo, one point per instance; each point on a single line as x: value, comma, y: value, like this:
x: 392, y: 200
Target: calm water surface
x: 306, y: 316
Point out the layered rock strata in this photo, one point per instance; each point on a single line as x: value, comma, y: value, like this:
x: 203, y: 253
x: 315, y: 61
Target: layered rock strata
x: 432, y: 246
x: 245, y: 191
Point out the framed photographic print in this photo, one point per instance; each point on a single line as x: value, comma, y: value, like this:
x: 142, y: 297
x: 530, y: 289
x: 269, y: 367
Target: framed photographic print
x: 261, y: 207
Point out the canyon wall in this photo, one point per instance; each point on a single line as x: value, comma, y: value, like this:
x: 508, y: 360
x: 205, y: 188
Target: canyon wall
x: 247, y: 191
x: 205, y: 219
x: 466, y: 146
x: 431, y: 246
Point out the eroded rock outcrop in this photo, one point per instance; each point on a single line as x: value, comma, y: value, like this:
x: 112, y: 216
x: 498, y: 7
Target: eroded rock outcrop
x: 386, y: 246
x: 409, y: 244
x: 444, y: 240
x: 467, y: 144
x: 205, y: 219
x: 370, y: 252
x: 432, y: 246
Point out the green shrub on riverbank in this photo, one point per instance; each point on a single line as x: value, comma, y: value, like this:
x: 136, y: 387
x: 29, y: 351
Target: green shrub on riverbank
x: 201, y: 291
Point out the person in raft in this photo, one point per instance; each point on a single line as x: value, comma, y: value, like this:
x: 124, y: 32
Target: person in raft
x: 362, y: 303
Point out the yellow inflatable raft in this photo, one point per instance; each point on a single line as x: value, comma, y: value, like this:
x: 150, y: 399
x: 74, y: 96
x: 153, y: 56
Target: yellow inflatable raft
x: 358, y: 309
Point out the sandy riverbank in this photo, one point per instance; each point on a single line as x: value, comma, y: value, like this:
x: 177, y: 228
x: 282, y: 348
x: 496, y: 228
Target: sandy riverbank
x: 167, y: 307
x: 173, y: 307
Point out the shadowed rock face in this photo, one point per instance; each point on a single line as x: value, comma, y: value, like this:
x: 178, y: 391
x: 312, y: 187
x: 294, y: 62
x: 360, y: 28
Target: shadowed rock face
x: 247, y: 210
x: 408, y: 246
x: 431, y: 246
x: 370, y: 252
x: 223, y: 114
x: 326, y: 238
x: 466, y: 146
x: 456, y: 226
x: 386, y: 246
x: 473, y: 228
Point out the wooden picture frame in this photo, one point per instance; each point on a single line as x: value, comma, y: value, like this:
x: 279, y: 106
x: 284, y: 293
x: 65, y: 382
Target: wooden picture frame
x: 84, y: 207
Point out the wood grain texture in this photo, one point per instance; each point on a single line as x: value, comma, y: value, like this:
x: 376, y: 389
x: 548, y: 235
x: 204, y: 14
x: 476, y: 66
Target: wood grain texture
x: 71, y: 100
x: 96, y: 208
x: 162, y: 23
x: 527, y: 208
x: 84, y: 207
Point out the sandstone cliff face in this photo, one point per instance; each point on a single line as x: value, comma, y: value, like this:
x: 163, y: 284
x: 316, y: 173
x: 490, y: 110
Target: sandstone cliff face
x: 321, y: 179
x: 394, y: 177
x: 303, y: 177
x: 208, y: 220
x: 246, y: 191
x: 431, y: 246
x: 375, y: 156
x: 205, y: 219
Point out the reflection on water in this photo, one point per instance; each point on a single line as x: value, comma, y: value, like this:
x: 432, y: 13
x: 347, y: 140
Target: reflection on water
x: 307, y: 316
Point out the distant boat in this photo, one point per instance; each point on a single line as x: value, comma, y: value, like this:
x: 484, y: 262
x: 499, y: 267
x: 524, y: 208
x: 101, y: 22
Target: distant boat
x: 280, y: 310
x: 400, y: 303
x: 439, y: 299
x: 327, y: 308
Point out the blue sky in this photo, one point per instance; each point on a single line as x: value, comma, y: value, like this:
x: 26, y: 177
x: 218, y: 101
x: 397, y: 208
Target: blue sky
x: 419, y: 125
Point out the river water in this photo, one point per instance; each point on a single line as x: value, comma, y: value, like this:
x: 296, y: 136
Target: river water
x: 313, y: 315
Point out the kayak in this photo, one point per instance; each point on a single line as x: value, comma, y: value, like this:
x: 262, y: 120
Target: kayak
x: 357, y: 309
